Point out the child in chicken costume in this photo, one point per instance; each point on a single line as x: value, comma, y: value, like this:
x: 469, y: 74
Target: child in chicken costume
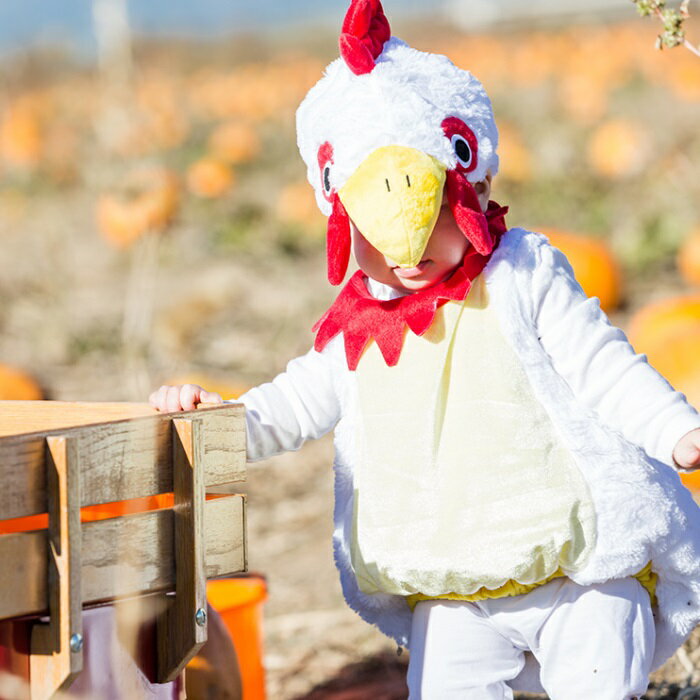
x: 504, y: 501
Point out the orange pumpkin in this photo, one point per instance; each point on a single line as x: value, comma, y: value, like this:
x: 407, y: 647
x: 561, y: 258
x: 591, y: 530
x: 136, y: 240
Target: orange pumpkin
x: 595, y: 266
x: 619, y: 148
x: 676, y: 355
x: 668, y: 331
x: 146, y: 203
x: 688, y: 259
x: 296, y: 204
x: 16, y: 385
x: 209, y: 178
x: 515, y: 159
x: 663, y: 319
x: 21, y: 136
x: 234, y: 142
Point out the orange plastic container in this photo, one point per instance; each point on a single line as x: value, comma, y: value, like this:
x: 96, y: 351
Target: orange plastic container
x: 239, y: 602
x: 692, y: 481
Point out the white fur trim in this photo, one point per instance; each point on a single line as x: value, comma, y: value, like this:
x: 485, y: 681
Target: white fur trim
x: 402, y: 101
x: 643, y: 511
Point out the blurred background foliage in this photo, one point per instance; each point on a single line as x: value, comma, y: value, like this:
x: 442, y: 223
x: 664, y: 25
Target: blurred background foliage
x: 156, y: 223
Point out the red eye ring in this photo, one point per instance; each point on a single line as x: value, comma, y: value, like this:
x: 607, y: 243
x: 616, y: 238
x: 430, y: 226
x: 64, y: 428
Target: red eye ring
x: 462, y: 138
x: 325, y: 160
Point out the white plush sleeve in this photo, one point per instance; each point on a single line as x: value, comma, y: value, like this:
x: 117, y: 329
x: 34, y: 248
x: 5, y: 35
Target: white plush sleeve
x: 600, y: 365
x: 299, y: 404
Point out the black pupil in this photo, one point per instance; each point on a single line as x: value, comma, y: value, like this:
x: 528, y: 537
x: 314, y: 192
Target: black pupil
x: 464, y: 153
x: 327, y: 178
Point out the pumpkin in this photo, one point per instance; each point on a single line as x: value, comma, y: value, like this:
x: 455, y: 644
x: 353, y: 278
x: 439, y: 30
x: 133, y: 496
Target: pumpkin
x: 688, y: 258
x: 662, y: 319
x: 16, y: 385
x: 583, y: 96
x: 147, y: 202
x: 684, y: 78
x: 676, y: 355
x: 234, y: 142
x: 21, y: 136
x: 668, y: 331
x: 619, y: 148
x: 209, y: 178
x: 595, y: 266
x: 515, y: 159
x: 296, y: 204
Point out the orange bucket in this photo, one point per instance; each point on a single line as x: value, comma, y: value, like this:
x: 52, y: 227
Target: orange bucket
x: 691, y: 480
x: 239, y: 602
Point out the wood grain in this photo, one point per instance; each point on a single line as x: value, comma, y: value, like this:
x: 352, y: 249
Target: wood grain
x: 179, y: 637
x: 121, y: 557
x: 53, y: 665
x: 19, y: 417
x: 122, y: 459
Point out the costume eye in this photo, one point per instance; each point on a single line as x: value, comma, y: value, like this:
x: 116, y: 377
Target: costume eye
x: 463, y: 150
x: 464, y: 143
x: 325, y: 161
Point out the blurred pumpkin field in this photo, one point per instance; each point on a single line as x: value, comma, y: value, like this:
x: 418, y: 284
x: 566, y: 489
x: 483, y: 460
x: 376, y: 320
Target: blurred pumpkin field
x: 156, y: 226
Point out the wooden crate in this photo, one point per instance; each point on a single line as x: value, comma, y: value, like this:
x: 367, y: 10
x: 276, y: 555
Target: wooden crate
x: 59, y: 457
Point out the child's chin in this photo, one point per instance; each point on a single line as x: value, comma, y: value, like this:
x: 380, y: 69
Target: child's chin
x: 416, y: 285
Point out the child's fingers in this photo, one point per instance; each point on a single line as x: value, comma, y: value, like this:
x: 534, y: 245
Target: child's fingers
x: 687, y: 451
x: 189, y: 396
x: 210, y: 397
x: 158, y: 398
x: 688, y: 456
x: 172, y: 399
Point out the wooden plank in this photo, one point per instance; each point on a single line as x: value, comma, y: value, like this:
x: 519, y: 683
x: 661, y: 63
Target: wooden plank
x: 19, y: 417
x: 180, y: 632
x: 53, y: 663
x: 121, y: 557
x: 121, y: 460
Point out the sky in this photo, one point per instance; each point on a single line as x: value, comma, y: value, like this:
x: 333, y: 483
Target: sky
x: 69, y: 22
x: 26, y: 22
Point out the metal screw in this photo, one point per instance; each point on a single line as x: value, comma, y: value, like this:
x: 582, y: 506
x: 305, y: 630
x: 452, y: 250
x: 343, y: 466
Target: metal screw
x: 76, y: 643
x: 200, y: 617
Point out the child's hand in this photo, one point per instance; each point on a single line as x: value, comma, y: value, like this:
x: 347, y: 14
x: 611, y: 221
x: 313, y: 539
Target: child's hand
x: 185, y: 397
x: 686, y: 453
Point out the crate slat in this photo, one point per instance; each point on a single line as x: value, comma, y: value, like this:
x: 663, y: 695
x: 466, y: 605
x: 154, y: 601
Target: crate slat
x: 20, y: 417
x: 121, y: 460
x: 122, y: 556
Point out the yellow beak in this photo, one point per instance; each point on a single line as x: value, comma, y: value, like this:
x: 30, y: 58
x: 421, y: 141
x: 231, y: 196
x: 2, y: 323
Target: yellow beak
x: 394, y: 199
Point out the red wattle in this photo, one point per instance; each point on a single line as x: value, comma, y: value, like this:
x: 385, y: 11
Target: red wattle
x: 466, y: 210
x: 338, y: 242
x: 361, y: 318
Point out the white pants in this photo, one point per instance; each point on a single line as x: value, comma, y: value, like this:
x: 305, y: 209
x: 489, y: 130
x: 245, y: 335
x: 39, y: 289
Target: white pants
x: 590, y: 641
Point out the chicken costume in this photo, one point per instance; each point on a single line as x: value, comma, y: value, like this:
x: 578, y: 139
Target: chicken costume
x: 493, y: 432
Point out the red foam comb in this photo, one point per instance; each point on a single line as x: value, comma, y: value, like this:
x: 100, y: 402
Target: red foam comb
x: 365, y: 30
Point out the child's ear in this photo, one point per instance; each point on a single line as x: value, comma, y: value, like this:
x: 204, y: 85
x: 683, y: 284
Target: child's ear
x: 483, y: 191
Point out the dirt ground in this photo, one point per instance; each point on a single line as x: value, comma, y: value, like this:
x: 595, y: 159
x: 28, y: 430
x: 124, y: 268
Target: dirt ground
x: 93, y: 323
x: 63, y: 299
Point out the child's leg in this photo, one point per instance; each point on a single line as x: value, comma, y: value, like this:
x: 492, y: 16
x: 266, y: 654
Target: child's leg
x: 457, y: 653
x: 598, y: 642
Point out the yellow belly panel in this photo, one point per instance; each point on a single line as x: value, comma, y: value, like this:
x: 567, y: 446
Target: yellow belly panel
x: 462, y: 481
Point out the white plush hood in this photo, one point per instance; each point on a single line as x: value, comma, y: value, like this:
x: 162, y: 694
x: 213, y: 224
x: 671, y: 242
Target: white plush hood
x: 402, y: 101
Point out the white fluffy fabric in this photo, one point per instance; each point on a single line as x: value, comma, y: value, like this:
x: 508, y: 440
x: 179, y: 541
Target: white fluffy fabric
x: 617, y: 416
x: 403, y: 101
